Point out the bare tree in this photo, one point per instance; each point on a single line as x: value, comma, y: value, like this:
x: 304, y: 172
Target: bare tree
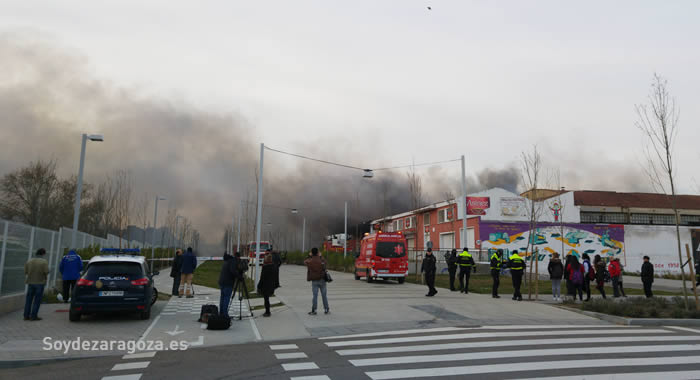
x: 415, y: 188
x: 28, y: 193
x: 141, y: 209
x: 531, y: 165
x: 658, y: 121
x: 123, y: 205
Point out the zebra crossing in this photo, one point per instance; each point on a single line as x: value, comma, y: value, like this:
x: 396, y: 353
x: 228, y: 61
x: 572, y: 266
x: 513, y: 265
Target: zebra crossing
x: 510, y: 352
x: 193, y: 306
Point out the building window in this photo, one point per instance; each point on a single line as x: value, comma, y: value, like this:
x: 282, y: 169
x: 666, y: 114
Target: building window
x: 426, y: 219
x: 658, y: 219
x: 445, y: 215
x: 390, y: 227
x: 688, y: 219
x: 398, y: 225
x: 410, y: 222
x: 603, y: 217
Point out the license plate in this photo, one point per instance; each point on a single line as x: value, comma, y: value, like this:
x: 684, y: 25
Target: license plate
x: 383, y: 271
x: 112, y: 293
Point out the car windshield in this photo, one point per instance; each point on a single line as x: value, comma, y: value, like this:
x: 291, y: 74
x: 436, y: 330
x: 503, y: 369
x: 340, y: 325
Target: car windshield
x: 114, y: 269
x: 263, y: 247
x: 390, y: 249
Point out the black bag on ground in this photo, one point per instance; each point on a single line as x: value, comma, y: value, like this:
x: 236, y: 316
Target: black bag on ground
x: 218, y: 322
x: 208, y: 309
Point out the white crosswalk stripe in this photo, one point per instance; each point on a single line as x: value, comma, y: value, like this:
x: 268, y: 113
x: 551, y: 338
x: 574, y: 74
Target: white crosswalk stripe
x: 591, y: 352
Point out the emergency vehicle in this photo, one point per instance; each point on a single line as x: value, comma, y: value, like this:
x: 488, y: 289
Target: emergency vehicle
x: 382, y: 256
x: 264, y: 246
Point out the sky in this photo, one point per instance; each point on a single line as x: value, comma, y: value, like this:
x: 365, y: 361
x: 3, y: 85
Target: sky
x: 367, y: 83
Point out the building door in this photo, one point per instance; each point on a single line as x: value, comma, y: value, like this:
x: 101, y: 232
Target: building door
x: 447, y: 241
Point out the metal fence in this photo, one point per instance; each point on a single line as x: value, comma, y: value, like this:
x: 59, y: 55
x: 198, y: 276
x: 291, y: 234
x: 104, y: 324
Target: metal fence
x: 19, y: 242
x: 415, y: 258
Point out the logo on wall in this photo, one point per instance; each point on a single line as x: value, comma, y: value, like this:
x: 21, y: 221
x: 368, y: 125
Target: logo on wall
x: 511, y: 206
x: 556, y: 208
x: 478, y: 205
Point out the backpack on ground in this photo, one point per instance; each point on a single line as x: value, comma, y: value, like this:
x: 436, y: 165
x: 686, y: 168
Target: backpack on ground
x: 218, y: 322
x: 577, y: 277
x: 207, y: 309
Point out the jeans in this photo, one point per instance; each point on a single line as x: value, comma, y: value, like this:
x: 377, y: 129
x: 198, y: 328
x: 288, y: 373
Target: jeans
x: 647, y: 288
x: 33, y: 300
x: 464, y: 273
x: 587, y: 287
x: 577, y: 288
x: 225, y: 299
x: 453, y: 274
x: 616, y: 286
x: 315, y: 286
x: 556, y: 287
x: 176, y: 283
x: 68, y: 286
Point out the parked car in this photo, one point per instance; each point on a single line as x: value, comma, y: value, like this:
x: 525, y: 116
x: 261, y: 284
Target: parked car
x: 114, y: 283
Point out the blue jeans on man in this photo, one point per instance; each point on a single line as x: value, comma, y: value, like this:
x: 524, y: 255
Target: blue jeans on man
x: 317, y: 285
x: 225, y: 299
x: 33, y: 300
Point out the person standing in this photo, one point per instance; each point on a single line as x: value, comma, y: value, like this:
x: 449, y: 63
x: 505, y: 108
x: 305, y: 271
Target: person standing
x: 428, y: 267
x: 189, y: 264
x: 556, y: 271
x: 495, y: 266
x: 175, y: 271
x: 465, y: 262
x: 569, y: 286
x: 70, y: 267
x: 599, y: 265
x: 451, y: 260
x: 588, y: 275
x: 267, y: 284
x: 647, y: 276
x: 622, y: 271
x: 517, y: 267
x: 227, y: 278
x: 615, y: 273
x: 277, y: 261
x: 316, y: 273
x: 575, y: 271
x: 36, y: 271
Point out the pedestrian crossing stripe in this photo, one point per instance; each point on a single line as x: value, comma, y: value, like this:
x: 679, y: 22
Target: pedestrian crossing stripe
x: 630, y: 376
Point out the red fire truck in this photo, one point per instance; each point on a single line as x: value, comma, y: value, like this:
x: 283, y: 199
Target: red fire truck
x: 264, y: 246
x: 382, y: 256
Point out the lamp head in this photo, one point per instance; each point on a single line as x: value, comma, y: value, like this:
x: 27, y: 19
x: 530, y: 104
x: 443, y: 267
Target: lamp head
x: 96, y: 137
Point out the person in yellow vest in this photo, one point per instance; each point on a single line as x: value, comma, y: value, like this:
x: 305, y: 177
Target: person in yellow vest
x: 465, y: 262
x: 496, y: 264
x: 517, y: 267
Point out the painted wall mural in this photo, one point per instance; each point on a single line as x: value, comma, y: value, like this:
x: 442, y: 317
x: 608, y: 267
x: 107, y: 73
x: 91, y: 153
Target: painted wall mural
x: 606, y: 240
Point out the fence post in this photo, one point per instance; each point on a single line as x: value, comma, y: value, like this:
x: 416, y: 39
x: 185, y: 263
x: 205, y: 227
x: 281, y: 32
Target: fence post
x: 53, y: 236
x: 31, y: 248
x: 59, y: 251
x: 2, y: 254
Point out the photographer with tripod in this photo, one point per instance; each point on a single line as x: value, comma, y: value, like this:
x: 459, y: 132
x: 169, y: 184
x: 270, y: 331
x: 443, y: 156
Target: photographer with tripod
x: 227, y: 279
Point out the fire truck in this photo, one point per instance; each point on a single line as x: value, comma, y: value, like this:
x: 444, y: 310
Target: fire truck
x: 264, y: 246
x: 382, y: 256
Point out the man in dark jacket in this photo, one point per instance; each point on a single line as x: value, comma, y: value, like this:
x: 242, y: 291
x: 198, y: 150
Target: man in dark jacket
x: 517, y: 268
x: 189, y: 264
x: 175, y: 271
x: 451, y: 259
x: 647, y: 276
x: 70, y: 268
x: 428, y: 267
x: 495, y: 266
x: 316, y: 273
x: 227, y: 278
x: 276, y: 262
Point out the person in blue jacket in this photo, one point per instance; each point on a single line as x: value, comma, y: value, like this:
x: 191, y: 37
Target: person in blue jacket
x: 70, y: 268
x: 189, y: 264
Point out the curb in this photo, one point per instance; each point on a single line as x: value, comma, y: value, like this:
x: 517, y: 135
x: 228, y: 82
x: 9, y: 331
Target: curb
x: 637, y: 321
x: 21, y: 363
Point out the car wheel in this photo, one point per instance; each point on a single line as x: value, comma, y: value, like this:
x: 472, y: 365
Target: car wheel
x: 146, y: 314
x: 402, y: 280
x: 74, y: 316
x: 154, y: 297
x: 369, y: 278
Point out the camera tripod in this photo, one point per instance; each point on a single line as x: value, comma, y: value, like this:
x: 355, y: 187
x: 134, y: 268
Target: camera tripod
x: 240, y: 287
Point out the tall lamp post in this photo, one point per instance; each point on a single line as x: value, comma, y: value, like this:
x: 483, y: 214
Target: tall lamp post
x: 79, y: 190
x: 155, y: 226
x: 303, y: 231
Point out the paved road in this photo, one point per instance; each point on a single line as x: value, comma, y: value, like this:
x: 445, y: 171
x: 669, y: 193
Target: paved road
x: 492, y: 352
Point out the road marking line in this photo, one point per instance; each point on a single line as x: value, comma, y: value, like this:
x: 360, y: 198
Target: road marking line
x: 148, y: 330
x: 132, y: 365
x: 519, y: 353
x: 683, y: 329
x: 529, y: 366
x: 140, y: 355
x: 255, y: 330
x: 299, y: 366
x: 283, y: 347
x: 291, y: 355
x: 509, y: 343
x: 489, y: 335
x: 441, y: 329
x: 631, y: 376
x: 123, y: 377
x: 168, y: 313
x: 322, y: 377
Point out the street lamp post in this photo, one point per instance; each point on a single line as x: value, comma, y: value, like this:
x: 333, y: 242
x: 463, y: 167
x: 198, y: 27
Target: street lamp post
x: 155, y: 225
x: 258, y: 223
x: 464, y: 209
x: 240, y: 212
x: 79, y: 190
x: 345, y: 239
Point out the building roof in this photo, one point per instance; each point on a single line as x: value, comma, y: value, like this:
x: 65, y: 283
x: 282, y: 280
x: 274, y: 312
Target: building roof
x: 634, y: 200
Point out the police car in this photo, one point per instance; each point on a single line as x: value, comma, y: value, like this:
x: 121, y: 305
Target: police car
x: 114, y: 283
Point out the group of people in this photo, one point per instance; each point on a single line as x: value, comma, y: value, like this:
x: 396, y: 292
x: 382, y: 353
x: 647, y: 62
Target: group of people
x: 36, y: 272
x: 182, y: 273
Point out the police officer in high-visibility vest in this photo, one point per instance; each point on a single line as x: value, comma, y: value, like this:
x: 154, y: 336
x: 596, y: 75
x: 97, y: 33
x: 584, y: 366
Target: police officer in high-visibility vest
x: 465, y: 262
x: 496, y: 264
x: 517, y: 267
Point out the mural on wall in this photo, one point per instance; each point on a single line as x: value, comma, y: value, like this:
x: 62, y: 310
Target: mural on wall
x: 606, y: 240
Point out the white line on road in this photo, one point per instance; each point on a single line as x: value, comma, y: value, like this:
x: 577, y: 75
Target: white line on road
x: 322, y: 377
x: 148, y: 330
x: 490, y: 335
x: 510, y: 343
x: 631, y: 376
x: 132, y: 365
x: 291, y: 355
x: 530, y: 366
x: 199, y: 342
x: 123, y: 377
x: 683, y: 329
x: 284, y: 347
x: 255, y: 329
x: 519, y: 353
x: 140, y: 355
x: 299, y: 366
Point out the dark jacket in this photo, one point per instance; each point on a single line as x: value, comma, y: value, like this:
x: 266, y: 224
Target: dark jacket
x: 177, y: 264
x: 516, y: 264
x: 315, y: 268
x: 276, y: 258
x: 189, y: 263
x: 428, y: 265
x: 70, y: 266
x: 555, y: 269
x: 600, y: 271
x: 228, y: 273
x: 451, y: 259
x: 647, y: 272
x: 267, y: 284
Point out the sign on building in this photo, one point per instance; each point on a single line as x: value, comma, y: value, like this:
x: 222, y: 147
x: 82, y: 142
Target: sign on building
x: 512, y: 206
x: 478, y: 205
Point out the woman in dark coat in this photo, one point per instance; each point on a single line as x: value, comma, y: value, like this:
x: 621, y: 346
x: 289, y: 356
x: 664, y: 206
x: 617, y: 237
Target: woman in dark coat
x: 599, y: 265
x: 268, y: 282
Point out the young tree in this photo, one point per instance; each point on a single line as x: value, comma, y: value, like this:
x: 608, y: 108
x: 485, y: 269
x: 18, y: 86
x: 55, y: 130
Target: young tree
x: 531, y: 165
x: 123, y: 205
x: 141, y: 209
x: 28, y: 194
x: 658, y: 121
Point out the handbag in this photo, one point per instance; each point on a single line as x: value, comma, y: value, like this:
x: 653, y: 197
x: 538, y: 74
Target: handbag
x: 328, y: 277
